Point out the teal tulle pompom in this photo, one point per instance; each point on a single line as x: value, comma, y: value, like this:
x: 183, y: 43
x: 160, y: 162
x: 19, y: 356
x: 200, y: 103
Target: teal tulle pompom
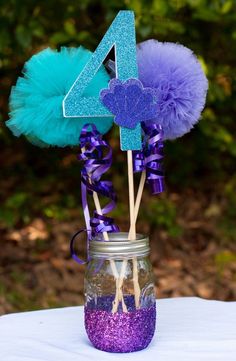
x: 36, y: 99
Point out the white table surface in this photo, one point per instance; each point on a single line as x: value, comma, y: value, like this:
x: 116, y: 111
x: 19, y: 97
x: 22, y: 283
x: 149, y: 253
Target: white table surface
x: 188, y: 329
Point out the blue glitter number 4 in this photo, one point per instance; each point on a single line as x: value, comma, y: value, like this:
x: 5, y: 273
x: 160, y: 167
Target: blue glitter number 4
x: 121, y: 35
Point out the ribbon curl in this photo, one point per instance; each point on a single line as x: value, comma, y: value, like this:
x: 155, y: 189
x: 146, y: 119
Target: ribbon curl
x: 96, y: 155
x: 150, y: 157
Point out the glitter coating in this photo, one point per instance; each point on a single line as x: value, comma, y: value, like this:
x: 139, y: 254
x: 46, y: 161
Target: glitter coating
x: 129, y: 101
x: 120, y: 34
x: 119, y: 332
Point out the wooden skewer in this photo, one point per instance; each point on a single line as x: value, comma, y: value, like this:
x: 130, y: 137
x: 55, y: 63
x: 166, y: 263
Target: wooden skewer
x: 112, y: 262
x: 119, y: 295
x: 99, y: 210
x: 132, y: 229
x: 137, y: 291
x: 131, y: 236
x: 132, y: 233
x: 139, y: 196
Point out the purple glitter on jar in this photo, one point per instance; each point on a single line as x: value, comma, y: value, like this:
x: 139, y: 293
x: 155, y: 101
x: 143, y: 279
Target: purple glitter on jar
x: 120, y: 308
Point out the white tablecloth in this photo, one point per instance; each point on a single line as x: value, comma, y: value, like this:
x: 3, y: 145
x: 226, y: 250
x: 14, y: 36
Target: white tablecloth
x: 188, y: 329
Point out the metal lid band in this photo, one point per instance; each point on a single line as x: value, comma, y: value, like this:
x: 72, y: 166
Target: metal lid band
x: 119, y: 246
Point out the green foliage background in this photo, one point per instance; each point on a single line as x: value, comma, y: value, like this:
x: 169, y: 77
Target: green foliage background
x: 204, y: 159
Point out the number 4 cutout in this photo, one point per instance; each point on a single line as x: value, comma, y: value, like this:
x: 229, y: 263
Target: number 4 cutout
x: 121, y: 35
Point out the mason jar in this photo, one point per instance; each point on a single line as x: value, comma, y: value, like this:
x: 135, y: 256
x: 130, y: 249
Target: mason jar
x: 120, y: 306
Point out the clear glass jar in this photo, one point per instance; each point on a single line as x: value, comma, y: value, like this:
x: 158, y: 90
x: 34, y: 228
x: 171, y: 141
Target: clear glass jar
x: 120, y: 308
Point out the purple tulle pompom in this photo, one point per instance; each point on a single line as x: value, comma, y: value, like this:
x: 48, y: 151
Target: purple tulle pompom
x: 180, y: 84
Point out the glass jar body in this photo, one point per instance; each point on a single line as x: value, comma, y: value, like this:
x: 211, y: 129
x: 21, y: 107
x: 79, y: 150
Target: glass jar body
x: 120, y: 308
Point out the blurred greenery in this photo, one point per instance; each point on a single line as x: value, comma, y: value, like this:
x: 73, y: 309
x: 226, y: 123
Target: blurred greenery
x: 45, y: 182
x: 223, y: 259
x: 163, y: 215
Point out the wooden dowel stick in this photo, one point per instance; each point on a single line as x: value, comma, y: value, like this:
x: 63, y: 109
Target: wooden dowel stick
x: 132, y: 234
x: 99, y: 210
x: 139, y: 197
x: 134, y: 208
x: 137, y: 291
x: 135, y: 263
x: 106, y: 237
x: 119, y: 295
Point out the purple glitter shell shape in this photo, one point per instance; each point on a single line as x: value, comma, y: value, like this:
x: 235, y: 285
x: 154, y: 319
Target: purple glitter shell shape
x: 129, y: 102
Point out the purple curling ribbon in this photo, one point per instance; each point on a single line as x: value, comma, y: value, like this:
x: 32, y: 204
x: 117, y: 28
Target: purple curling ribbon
x: 96, y: 155
x: 97, y: 158
x: 150, y: 157
x: 72, y: 249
